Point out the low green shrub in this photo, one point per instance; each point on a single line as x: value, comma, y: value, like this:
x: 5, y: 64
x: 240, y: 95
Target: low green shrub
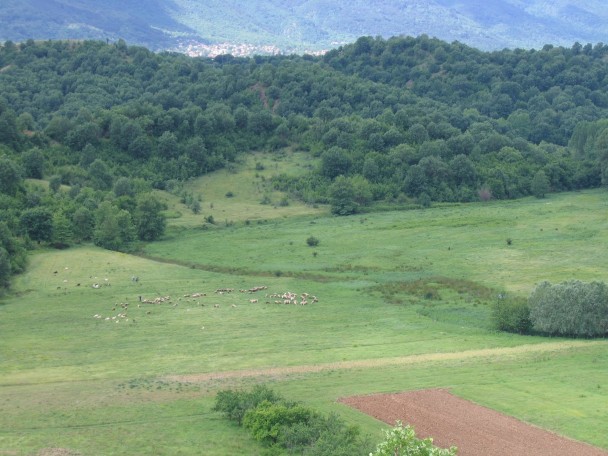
x: 291, y: 427
x: 312, y: 241
x: 402, y: 440
x: 235, y: 404
x: 268, y: 419
x: 512, y: 314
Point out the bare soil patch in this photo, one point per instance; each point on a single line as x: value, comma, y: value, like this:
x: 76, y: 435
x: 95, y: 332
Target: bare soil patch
x: 475, y: 430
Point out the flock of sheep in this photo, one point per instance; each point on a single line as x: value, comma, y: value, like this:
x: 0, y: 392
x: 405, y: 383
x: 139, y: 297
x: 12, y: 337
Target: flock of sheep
x: 120, y: 311
x: 121, y: 315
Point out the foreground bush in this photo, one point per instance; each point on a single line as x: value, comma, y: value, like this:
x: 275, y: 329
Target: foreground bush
x: 291, y: 427
x: 402, y: 441
x: 571, y: 308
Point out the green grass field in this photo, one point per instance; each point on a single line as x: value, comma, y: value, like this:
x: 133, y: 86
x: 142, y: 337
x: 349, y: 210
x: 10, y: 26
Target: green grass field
x: 404, y: 303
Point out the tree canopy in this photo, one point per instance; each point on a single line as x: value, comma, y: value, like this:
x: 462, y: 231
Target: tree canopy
x: 399, y: 119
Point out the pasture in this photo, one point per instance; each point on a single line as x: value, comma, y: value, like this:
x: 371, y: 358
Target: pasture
x: 404, y: 303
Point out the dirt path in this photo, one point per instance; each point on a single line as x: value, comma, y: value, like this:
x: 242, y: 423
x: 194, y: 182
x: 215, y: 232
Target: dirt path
x: 475, y: 430
x: 402, y: 360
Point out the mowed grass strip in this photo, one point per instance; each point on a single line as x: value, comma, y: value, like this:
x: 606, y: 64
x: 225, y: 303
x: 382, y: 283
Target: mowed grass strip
x: 382, y: 362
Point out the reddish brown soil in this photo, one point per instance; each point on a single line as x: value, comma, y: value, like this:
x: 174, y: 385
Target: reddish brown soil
x: 475, y: 430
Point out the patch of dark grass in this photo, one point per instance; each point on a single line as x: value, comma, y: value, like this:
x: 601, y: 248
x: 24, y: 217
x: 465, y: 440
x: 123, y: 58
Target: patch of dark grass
x: 154, y: 384
x: 348, y: 267
x: 429, y: 289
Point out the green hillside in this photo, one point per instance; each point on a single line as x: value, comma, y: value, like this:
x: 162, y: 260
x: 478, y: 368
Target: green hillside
x: 88, y: 130
x: 157, y: 211
x: 403, y: 302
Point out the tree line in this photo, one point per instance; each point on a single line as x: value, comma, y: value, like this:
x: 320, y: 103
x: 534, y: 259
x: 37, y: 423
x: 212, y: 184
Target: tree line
x: 413, y: 120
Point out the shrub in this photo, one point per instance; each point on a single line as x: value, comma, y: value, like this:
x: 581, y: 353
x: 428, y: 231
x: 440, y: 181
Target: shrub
x: 312, y: 241
x: 402, y: 440
x: 195, y: 207
x: 268, y: 419
x: 290, y: 426
x: 571, y: 308
x: 512, y: 315
x: 338, y: 439
x: 235, y: 404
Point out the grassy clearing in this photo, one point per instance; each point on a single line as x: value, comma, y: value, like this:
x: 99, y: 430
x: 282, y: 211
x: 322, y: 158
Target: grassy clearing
x: 390, y: 286
x: 243, y: 193
x: 554, y: 238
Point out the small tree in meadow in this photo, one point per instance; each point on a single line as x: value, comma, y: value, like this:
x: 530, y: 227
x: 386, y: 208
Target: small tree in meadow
x: 512, y: 314
x: 312, y: 241
x: 540, y: 184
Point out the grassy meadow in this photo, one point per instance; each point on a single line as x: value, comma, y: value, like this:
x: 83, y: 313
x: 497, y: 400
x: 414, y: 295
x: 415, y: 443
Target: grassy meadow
x: 404, y: 302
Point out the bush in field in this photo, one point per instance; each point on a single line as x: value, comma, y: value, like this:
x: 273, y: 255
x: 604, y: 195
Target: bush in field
x: 402, y: 441
x: 512, y: 315
x: 268, y: 419
x: 571, y: 308
x: 291, y: 427
x: 235, y: 404
x: 337, y: 439
x: 312, y: 241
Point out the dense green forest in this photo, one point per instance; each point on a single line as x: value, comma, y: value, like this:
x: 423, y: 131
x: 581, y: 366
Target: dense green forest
x: 403, y: 120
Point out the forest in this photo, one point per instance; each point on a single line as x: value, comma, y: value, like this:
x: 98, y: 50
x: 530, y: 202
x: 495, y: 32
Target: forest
x: 88, y: 128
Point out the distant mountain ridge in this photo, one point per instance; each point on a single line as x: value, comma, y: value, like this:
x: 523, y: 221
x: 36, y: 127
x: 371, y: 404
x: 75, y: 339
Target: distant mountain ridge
x: 268, y: 26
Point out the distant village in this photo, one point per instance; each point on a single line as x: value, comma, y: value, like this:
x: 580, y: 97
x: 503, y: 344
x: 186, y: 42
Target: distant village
x: 197, y: 49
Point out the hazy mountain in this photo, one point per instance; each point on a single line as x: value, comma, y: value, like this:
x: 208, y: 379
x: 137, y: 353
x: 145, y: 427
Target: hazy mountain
x: 306, y: 25
x: 152, y: 26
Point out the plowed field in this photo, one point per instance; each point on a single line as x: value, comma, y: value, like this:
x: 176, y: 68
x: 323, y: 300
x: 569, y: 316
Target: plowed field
x: 475, y: 430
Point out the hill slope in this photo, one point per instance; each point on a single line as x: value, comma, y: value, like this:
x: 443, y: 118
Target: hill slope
x: 152, y: 26
x: 305, y: 25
